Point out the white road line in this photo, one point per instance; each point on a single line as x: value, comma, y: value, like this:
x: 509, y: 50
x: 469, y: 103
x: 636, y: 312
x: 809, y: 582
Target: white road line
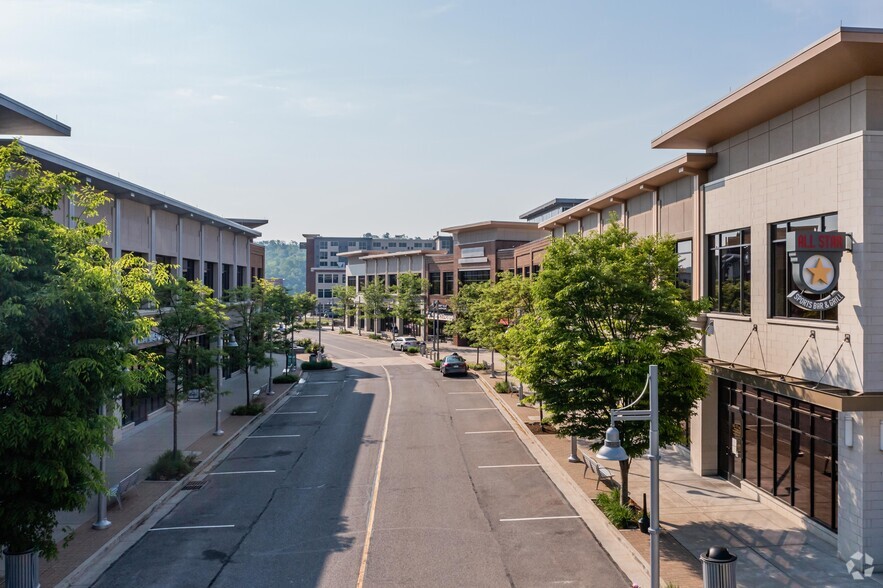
x: 303, y: 412
x: 243, y: 472
x: 491, y: 408
x: 310, y: 396
x: 460, y: 393
x: 484, y: 432
x: 360, y: 581
x: 540, y: 518
x: 193, y: 527
x: 319, y: 383
x: 269, y: 436
x: 513, y: 465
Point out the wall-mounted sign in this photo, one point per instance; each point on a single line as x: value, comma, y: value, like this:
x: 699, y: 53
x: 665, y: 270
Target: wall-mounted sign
x: 815, y: 267
x: 471, y: 251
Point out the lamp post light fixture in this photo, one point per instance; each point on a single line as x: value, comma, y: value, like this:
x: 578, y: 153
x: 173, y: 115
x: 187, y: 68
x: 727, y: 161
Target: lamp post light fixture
x: 613, y: 451
x: 231, y: 343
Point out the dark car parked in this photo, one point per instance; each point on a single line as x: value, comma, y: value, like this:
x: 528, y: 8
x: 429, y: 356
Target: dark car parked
x: 453, y: 364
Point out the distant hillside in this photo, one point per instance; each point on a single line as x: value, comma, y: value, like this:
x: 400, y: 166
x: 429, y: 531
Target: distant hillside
x: 286, y: 260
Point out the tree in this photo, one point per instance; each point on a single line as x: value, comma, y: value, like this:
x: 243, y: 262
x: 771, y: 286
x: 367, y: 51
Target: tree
x: 286, y: 260
x: 304, y: 302
x: 605, y: 307
x: 410, y: 292
x: 466, y: 305
x: 375, y: 300
x: 346, y: 301
x: 68, y: 319
x: 501, y: 305
x: 253, y: 316
x: 186, y: 310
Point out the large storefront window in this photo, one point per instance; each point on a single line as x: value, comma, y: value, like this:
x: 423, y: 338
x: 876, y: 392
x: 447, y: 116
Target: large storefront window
x: 448, y: 283
x: 781, y: 282
x: 729, y: 271
x: 434, y: 283
x: 784, y: 446
x: 473, y: 276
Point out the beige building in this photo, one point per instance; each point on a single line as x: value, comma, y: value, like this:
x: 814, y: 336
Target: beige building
x: 778, y: 221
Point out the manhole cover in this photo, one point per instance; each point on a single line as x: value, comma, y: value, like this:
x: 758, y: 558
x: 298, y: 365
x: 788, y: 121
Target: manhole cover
x: 195, y: 484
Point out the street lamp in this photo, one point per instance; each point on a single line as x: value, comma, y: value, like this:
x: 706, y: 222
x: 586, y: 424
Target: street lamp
x: 231, y: 343
x: 613, y: 451
x: 434, y: 309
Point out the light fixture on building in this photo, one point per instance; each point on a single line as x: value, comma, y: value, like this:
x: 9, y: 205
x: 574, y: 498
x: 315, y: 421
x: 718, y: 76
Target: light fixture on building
x: 848, y: 438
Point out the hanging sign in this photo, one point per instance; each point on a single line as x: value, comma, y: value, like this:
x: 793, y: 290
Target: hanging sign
x: 815, y: 267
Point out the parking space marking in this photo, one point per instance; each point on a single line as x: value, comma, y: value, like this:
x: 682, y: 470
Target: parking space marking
x: 269, y: 436
x: 193, y: 527
x: 456, y: 393
x: 489, y: 408
x: 540, y: 518
x: 310, y: 396
x: 325, y: 382
x: 243, y: 472
x: 512, y: 465
x: 484, y: 432
x: 300, y: 412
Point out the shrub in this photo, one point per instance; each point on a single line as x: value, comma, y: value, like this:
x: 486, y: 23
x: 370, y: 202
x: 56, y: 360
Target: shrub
x: 620, y: 515
x: 436, y: 364
x: 412, y: 350
x: 477, y: 366
x: 285, y: 379
x: 248, y: 409
x: 375, y: 336
x: 345, y: 332
x: 502, y: 387
x: 172, y: 465
x: 325, y: 364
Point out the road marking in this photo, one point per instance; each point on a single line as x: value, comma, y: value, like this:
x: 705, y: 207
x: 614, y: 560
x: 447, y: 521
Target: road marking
x: 484, y: 432
x: 540, y: 518
x: 302, y: 412
x: 269, y: 436
x: 514, y: 465
x: 491, y: 408
x: 193, y: 527
x: 456, y: 393
x: 310, y: 396
x: 364, y: 565
x: 243, y: 472
x: 324, y: 382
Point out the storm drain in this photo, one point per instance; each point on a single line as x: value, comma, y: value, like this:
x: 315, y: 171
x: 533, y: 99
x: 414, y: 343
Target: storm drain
x: 195, y: 484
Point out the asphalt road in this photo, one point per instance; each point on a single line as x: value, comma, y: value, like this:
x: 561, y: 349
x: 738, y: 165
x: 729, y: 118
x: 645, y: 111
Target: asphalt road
x: 382, y: 473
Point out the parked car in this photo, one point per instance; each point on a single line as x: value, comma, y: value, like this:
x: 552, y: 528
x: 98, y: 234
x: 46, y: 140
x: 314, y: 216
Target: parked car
x: 453, y: 364
x: 402, y: 343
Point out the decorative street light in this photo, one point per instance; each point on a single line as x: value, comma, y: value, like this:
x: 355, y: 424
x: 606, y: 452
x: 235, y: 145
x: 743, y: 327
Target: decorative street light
x: 613, y: 451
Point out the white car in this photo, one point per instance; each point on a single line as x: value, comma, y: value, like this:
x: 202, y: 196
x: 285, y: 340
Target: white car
x: 402, y: 343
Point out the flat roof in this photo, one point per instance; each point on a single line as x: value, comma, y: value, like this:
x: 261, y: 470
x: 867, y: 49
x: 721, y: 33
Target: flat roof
x: 18, y: 119
x: 375, y: 255
x: 688, y: 163
x: 119, y: 187
x: 492, y: 224
x: 551, y: 204
x: 841, y: 57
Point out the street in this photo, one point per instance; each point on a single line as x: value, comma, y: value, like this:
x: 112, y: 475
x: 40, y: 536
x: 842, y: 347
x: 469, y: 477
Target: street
x: 378, y: 473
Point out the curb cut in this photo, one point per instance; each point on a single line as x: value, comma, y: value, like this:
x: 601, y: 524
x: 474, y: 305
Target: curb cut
x: 91, y: 569
x: 609, y: 538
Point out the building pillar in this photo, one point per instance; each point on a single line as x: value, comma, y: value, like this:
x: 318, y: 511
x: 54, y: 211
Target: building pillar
x: 859, y: 471
x: 151, y: 235
x: 180, y: 270
x: 234, y: 279
x: 200, y: 268
x: 219, y: 269
x: 116, y: 234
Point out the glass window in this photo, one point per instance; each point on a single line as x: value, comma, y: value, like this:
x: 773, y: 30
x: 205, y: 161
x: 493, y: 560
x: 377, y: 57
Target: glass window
x: 434, y: 282
x: 781, y: 283
x: 729, y: 272
x: 685, y: 266
x: 448, y: 283
x: 392, y: 280
x: 472, y: 276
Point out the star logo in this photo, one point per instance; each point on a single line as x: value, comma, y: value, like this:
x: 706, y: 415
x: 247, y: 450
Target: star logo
x: 818, y: 273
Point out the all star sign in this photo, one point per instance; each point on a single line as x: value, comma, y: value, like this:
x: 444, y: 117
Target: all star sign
x: 815, y: 267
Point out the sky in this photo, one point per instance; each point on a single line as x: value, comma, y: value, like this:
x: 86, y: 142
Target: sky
x: 406, y: 117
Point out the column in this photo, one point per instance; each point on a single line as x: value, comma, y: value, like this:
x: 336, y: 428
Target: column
x: 115, y: 235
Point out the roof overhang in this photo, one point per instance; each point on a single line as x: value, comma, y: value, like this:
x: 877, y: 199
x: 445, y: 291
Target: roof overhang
x: 554, y: 203
x: 410, y: 253
x: 688, y: 164
x: 251, y: 223
x: 845, y: 55
x: 123, y: 189
x: 491, y: 225
x: 18, y: 119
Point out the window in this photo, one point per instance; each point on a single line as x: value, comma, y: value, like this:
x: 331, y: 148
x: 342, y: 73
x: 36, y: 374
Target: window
x: 334, y: 243
x: 323, y: 264
x: 351, y: 281
x: 434, y: 282
x: 189, y: 269
x: 473, y: 276
x: 685, y: 267
x: 781, y: 283
x: 240, y: 275
x: 403, y: 244
x: 323, y: 255
x: 392, y: 280
x: 729, y: 272
x: 323, y: 244
x: 225, y: 277
x: 448, y: 283
x: 321, y: 278
x: 351, y: 244
x: 361, y: 283
x: 375, y: 244
x: 335, y: 278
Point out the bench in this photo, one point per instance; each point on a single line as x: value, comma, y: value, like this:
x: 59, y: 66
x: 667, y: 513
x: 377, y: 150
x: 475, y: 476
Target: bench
x: 260, y: 390
x: 600, y: 471
x: 123, y: 486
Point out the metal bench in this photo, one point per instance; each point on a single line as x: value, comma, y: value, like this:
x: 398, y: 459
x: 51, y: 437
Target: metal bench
x: 260, y: 390
x: 124, y: 485
x: 600, y: 471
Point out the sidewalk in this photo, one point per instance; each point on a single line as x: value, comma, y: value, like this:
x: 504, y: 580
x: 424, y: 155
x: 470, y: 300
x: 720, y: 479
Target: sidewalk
x: 139, y: 448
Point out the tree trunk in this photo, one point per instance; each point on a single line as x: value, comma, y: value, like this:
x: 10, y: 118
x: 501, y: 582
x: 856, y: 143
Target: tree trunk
x: 175, y: 418
x: 492, y: 363
x: 542, y: 425
x: 624, y: 472
x: 247, y: 388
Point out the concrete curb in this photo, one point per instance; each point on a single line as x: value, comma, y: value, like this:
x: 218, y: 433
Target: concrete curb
x: 611, y: 540
x: 90, y: 570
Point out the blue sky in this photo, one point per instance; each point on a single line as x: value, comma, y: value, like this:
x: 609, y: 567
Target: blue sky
x: 345, y: 117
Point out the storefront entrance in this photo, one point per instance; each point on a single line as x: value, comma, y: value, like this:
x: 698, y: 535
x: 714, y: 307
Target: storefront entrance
x: 786, y: 447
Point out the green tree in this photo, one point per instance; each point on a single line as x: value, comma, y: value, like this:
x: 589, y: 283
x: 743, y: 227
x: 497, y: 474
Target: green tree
x: 186, y: 310
x: 304, y: 302
x: 375, y: 299
x: 605, y: 307
x: 286, y: 308
x: 345, y: 304
x: 286, y: 260
x: 68, y: 319
x: 501, y: 305
x: 253, y: 317
x: 466, y: 305
x: 410, y: 293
